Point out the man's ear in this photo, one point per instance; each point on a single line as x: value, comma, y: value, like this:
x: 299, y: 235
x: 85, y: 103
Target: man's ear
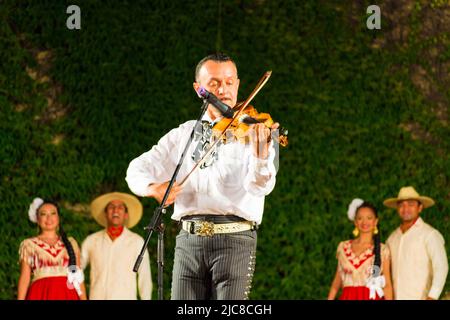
x: 420, y: 207
x: 196, y: 86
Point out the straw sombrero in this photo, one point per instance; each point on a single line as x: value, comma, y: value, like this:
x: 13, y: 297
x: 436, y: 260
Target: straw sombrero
x: 408, y: 193
x: 133, y: 204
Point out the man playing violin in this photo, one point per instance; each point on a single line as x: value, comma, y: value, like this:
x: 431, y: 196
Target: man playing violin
x: 221, y: 205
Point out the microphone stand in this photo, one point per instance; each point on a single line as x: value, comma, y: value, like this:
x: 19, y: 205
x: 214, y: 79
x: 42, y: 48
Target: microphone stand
x: 155, y: 222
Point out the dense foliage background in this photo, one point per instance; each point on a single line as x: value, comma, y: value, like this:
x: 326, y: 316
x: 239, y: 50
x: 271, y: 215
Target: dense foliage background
x: 367, y: 113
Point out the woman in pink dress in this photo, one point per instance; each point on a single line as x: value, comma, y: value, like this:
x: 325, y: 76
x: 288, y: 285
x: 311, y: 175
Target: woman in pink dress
x: 50, y: 260
x: 363, y: 270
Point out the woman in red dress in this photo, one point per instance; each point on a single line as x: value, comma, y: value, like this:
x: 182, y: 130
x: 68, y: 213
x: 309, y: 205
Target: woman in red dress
x: 363, y: 270
x: 51, y: 260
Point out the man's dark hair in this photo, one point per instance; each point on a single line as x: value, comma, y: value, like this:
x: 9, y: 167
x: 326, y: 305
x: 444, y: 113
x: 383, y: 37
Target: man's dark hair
x: 217, y: 57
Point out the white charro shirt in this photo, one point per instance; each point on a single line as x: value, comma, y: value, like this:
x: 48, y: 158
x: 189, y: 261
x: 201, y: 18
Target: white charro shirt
x: 419, y: 262
x: 236, y: 183
x: 112, y: 276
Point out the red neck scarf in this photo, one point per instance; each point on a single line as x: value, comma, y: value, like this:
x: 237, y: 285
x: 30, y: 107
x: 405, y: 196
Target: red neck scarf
x: 114, y: 232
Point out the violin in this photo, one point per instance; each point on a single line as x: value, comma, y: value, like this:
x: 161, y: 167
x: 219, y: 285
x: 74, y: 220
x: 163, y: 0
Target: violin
x: 237, y: 127
x: 244, y: 116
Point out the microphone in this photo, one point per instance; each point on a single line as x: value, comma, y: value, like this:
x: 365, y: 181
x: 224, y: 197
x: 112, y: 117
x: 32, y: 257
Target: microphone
x: 212, y: 99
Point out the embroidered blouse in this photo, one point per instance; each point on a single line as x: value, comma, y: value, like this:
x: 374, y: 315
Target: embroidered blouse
x: 355, y: 270
x: 46, y: 260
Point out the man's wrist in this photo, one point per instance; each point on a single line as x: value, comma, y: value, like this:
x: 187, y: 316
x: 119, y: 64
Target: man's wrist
x: 150, y: 190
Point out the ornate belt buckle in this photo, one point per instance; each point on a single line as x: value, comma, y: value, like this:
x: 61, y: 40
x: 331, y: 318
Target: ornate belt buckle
x: 205, y: 228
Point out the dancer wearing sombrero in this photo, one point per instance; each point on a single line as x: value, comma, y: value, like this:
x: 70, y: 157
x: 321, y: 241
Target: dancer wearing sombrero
x: 112, y: 251
x: 419, y: 261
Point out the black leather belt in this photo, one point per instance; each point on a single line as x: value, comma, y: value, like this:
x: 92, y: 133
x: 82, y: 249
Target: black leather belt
x: 216, y: 218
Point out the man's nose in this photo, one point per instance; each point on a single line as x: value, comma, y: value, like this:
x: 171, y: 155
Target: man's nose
x: 221, y: 89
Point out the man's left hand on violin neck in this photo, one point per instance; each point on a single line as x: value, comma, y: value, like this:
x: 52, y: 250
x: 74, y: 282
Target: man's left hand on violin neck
x: 260, y: 138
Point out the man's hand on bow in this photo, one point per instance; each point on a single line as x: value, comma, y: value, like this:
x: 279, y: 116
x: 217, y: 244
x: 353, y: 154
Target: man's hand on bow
x: 157, y: 191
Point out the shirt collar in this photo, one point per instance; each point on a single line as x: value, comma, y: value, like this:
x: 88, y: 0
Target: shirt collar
x: 419, y: 223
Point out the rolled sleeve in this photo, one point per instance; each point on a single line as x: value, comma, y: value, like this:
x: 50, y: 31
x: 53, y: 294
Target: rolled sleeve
x: 260, y: 179
x: 155, y: 165
x: 138, y: 178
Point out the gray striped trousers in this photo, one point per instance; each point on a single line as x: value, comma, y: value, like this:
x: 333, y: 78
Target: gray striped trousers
x: 218, y: 267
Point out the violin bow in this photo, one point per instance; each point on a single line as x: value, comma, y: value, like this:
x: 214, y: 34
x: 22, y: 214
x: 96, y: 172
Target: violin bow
x: 255, y: 91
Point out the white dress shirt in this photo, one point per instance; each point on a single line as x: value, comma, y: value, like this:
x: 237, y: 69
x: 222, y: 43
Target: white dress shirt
x: 236, y: 183
x: 419, y: 262
x: 112, y: 276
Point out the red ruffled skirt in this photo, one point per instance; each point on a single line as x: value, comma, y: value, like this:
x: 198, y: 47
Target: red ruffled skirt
x: 51, y: 288
x: 357, y: 293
